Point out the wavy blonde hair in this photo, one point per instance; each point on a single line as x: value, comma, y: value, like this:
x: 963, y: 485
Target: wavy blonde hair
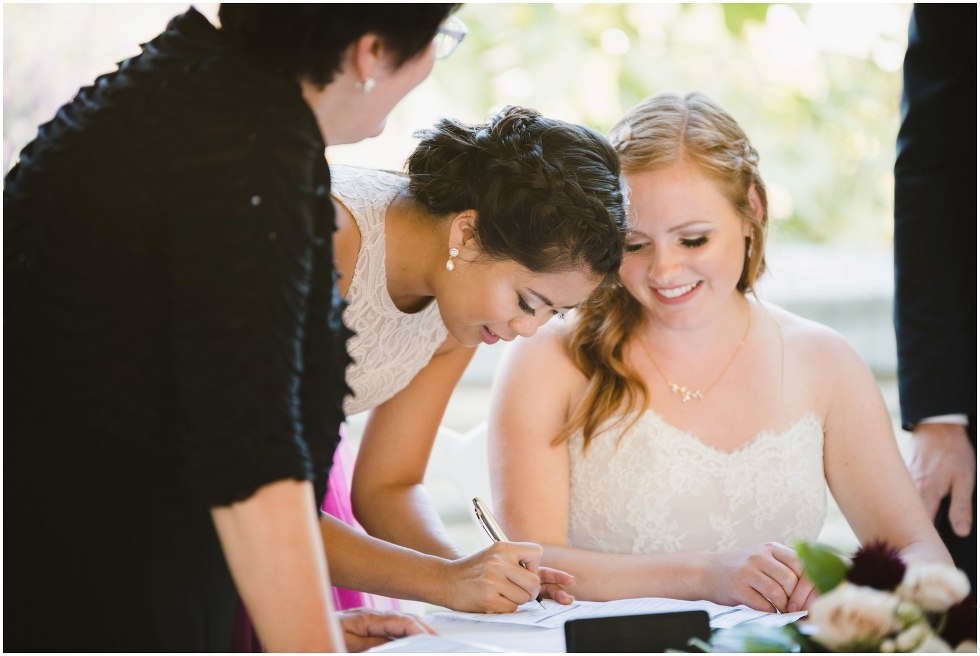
x: 662, y: 130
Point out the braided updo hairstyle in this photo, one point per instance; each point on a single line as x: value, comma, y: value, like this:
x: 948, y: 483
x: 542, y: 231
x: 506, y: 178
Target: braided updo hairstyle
x: 547, y: 193
x: 660, y: 131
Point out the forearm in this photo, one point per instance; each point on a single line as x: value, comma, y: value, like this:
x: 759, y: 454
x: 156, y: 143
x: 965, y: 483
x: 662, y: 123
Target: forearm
x: 275, y: 555
x: 362, y: 562
x: 928, y: 550
x: 404, y: 515
x: 387, y: 494
x: 604, y: 576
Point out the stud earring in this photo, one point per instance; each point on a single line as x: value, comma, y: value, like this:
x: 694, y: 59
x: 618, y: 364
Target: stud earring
x: 366, y: 86
x: 453, y: 252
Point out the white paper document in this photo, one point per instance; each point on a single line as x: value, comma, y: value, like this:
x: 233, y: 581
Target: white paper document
x: 424, y: 643
x: 554, y: 615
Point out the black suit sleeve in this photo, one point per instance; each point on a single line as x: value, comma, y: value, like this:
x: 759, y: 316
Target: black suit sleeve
x: 935, y: 216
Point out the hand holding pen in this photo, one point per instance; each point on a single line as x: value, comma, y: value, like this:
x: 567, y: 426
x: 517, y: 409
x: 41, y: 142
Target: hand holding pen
x: 546, y: 575
x: 490, y: 580
x: 493, y: 529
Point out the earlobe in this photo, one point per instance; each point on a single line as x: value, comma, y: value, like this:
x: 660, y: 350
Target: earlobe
x: 367, y: 52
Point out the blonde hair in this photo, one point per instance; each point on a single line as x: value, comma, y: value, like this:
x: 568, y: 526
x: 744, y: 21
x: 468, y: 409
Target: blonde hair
x: 662, y: 130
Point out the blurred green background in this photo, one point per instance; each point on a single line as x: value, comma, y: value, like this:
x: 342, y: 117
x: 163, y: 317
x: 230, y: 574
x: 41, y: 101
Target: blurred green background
x: 815, y: 85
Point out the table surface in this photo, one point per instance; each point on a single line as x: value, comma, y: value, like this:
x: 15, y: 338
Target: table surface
x: 508, y: 637
x: 540, y: 627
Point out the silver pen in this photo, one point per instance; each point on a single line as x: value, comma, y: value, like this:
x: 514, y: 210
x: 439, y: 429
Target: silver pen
x: 493, y: 529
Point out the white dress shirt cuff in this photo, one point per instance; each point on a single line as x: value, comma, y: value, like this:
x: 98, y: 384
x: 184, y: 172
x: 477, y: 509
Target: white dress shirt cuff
x: 960, y: 420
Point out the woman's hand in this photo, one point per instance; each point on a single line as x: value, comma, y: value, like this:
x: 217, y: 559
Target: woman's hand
x: 552, y: 582
x: 765, y: 577
x: 804, y: 595
x: 364, y: 628
x: 492, y: 580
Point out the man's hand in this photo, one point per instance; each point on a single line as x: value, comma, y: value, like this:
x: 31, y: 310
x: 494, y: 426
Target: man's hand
x: 364, y: 628
x: 944, y: 463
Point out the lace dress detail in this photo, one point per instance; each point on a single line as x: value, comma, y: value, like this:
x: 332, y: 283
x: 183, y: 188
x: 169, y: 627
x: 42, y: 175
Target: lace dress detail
x: 660, y: 489
x: 389, y: 346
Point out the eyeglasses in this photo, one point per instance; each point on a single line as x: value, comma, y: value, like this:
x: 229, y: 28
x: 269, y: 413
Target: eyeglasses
x: 448, y: 37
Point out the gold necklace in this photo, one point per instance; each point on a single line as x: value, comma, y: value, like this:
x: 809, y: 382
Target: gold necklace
x: 689, y: 394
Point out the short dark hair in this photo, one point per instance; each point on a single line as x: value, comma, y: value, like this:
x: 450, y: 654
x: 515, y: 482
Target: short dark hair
x: 547, y: 193
x: 307, y: 40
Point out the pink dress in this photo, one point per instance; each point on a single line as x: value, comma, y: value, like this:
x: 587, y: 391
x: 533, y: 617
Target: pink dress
x: 337, y: 503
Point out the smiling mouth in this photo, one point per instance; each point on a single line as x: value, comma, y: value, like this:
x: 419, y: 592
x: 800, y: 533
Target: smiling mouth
x: 489, y: 337
x: 677, y: 292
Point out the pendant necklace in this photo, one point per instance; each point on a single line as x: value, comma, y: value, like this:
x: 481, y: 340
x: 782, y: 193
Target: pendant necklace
x: 697, y: 394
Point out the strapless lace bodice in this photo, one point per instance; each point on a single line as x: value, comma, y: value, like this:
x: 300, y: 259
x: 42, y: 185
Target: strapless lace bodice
x: 389, y: 346
x: 660, y: 489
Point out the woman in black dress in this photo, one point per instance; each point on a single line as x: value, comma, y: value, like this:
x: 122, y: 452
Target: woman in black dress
x: 172, y: 335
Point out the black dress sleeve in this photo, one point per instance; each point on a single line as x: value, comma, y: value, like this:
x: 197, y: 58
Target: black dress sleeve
x: 250, y: 270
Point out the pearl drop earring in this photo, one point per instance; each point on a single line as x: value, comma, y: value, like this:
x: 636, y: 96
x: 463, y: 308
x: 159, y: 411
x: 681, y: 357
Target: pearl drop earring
x: 450, y: 265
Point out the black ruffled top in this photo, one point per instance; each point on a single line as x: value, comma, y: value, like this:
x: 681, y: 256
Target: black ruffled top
x: 172, y: 340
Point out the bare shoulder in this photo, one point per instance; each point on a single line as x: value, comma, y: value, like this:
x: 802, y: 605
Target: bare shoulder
x: 814, y: 348
x: 545, y: 355
x: 549, y: 343
x: 534, y: 389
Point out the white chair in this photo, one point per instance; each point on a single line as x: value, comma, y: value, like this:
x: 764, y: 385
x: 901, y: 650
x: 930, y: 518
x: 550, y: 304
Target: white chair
x: 457, y: 472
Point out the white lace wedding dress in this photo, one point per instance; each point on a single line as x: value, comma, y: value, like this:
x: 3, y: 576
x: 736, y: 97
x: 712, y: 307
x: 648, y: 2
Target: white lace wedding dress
x: 390, y: 347
x: 660, y: 489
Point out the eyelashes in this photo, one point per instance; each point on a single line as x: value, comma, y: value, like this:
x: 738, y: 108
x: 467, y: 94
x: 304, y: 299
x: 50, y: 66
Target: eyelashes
x: 527, y: 309
x: 686, y: 243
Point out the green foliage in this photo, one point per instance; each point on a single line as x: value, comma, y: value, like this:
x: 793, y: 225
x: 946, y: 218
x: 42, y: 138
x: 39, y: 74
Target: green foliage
x: 822, y: 565
x: 754, y: 638
x: 751, y: 638
x: 738, y: 13
x: 820, y: 103
x: 816, y: 87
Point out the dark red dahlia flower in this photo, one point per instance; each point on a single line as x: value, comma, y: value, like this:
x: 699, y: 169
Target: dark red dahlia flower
x: 878, y: 566
x: 961, y: 621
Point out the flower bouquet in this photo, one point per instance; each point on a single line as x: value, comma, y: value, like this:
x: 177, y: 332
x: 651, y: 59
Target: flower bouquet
x: 872, y: 603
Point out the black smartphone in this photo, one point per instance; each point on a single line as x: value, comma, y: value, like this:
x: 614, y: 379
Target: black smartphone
x: 653, y: 632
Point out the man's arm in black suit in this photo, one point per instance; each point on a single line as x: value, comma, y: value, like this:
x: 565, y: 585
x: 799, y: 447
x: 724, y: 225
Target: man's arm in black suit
x: 935, y: 223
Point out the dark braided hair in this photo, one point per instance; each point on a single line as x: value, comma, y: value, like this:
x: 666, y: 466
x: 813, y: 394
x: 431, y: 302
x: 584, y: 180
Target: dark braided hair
x: 547, y: 193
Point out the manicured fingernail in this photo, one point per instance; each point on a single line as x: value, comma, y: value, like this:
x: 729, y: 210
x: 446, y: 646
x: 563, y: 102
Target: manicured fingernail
x: 963, y: 529
x: 792, y: 608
